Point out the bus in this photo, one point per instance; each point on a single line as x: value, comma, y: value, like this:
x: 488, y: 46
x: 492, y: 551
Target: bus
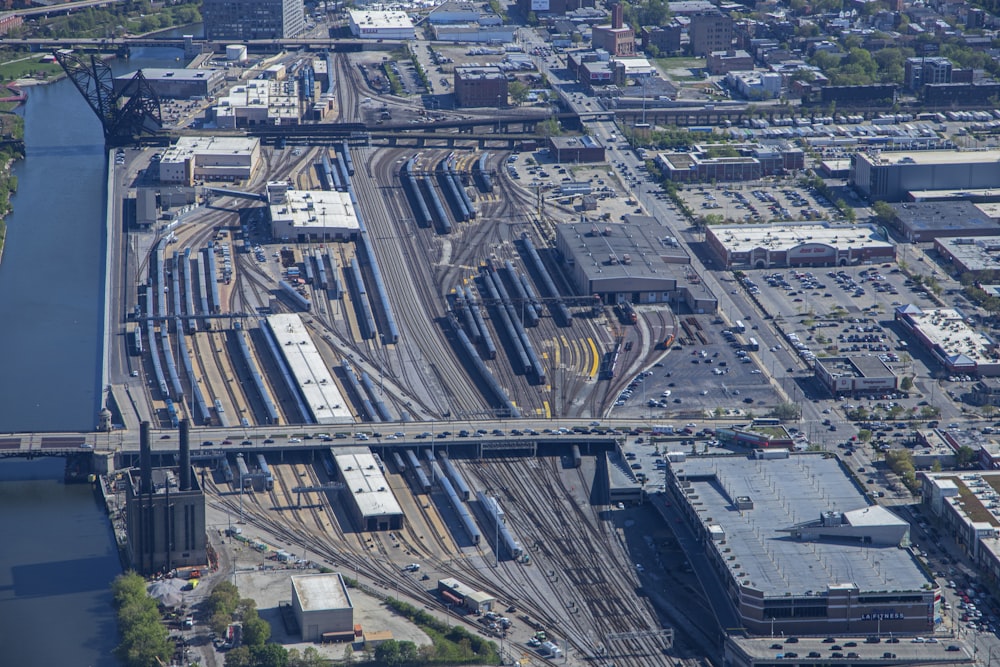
x: 739, y: 327
x: 753, y: 345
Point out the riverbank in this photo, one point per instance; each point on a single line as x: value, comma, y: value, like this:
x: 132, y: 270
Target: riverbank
x: 12, y: 151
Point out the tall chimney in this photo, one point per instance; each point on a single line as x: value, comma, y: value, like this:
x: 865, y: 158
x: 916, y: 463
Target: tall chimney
x: 185, y: 455
x: 145, y: 460
x: 617, y: 15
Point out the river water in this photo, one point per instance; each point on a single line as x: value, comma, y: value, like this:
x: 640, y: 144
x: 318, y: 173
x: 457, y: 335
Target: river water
x: 58, y: 554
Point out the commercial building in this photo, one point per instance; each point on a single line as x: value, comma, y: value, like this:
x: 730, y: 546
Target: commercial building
x: 956, y: 345
x: 584, y: 148
x: 480, y: 87
x: 710, y: 31
x: 797, y: 244
x: 799, y: 549
x: 967, y: 254
x: 475, y: 32
x: 312, y: 215
x: 889, y: 176
x: 930, y: 220
x: 617, y: 38
x: 733, y: 60
x: 930, y: 446
x: 323, y: 608
x: 373, y: 505
x: 455, y: 592
x: 854, y: 375
x: 919, y: 72
x: 636, y: 261
x: 381, y: 25
x: 321, y: 395
x: 210, y: 159
x: 252, y: 19
x: 180, y: 83
x: 755, y: 85
x: 967, y: 508
x: 164, y: 511
x: 756, y: 436
x: 754, y: 161
x: 271, y: 101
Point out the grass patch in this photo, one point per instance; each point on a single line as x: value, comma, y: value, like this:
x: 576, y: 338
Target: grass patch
x: 20, y: 69
x: 680, y: 61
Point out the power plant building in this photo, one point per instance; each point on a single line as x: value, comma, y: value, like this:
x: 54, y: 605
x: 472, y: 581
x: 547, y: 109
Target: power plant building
x: 373, y: 505
x: 239, y: 20
x: 323, y: 607
x: 164, y: 511
x: 798, y: 548
x: 210, y: 159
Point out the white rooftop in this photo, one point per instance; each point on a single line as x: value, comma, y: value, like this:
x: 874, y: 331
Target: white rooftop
x: 744, y: 238
x: 946, y: 328
x: 311, y: 373
x: 321, y: 592
x: 933, y: 157
x: 319, y: 209
x: 366, y: 482
x: 381, y: 19
x: 189, y: 147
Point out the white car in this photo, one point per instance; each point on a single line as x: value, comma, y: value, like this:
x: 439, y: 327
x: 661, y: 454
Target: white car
x: 294, y: 440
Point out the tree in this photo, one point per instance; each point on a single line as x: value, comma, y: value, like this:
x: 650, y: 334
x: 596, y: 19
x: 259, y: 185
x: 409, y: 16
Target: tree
x: 937, y: 466
x: 864, y: 435
x: 965, y: 456
x: 388, y: 653
x: 518, y: 92
x: 906, y: 384
x: 269, y: 655
x: 786, y: 411
x: 239, y: 657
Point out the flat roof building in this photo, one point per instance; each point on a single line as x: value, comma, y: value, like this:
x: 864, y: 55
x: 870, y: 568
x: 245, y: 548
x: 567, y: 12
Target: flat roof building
x: 854, y: 375
x: 890, y: 176
x: 971, y: 254
x: 252, y: 19
x: 480, y: 87
x: 316, y: 215
x: 320, y: 392
x: 966, y: 504
x: 584, y: 148
x: 929, y: 220
x: 373, y: 505
x: 177, y: 83
x: 323, y: 607
x: 455, y: 592
x: 753, y: 161
x: 369, y: 24
x: 210, y: 159
x: 259, y: 102
x: 797, y: 244
x: 805, y: 553
x: 637, y: 260
x: 956, y: 345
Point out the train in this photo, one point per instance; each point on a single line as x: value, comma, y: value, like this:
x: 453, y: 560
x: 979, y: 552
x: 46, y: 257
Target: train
x: 266, y: 472
x: 301, y: 302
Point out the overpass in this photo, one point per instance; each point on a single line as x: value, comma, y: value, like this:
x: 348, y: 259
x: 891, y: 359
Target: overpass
x: 216, y: 46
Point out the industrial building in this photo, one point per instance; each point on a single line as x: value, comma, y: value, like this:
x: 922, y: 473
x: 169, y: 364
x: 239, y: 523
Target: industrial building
x: 179, y: 83
x: 636, y: 260
x: 458, y: 593
x: 616, y: 38
x: 252, y: 19
x: 792, y: 244
x: 164, y: 511
x: 210, y: 159
x: 724, y: 62
x: 321, y: 395
x: 971, y: 254
x: 259, y: 102
x: 373, y: 505
x: 317, y: 215
x: 854, y: 375
x: 368, y: 24
x: 753, y: 162
x: 930, y: 220
x: 956, y: 345
x: 966, y: 506
x: 323, y: 608
x: 890, y: 176
x: 799, y: 549
x: 480, y: 87
x: 584, y: 148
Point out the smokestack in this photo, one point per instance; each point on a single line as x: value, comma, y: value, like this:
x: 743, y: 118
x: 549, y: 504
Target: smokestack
x: 145, y: 460
x: 617, y: 15
x: 185, y: 455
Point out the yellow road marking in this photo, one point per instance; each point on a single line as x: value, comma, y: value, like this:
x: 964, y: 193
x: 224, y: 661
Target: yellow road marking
x: 548, y: 410
x: 597, y: 357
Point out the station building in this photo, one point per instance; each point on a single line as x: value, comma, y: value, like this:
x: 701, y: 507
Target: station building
x: 373, y: 505
x: 380, y: 25
x: 890, y: 176
x: 323, y: 607
x: 966, y: 506
x: 799, y: 549
x: 956, y: 345
x: 971, y: 254
x: 210, y: 159
x: 637, y: 261
x: 931, y: 220
x: 312, y: 215
x: 855, y: 375
x: 178, y: 83
x: 322, y: 397
x: 797, y: 244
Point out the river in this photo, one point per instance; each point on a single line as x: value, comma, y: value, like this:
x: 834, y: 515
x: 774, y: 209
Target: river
x: 59, y: 553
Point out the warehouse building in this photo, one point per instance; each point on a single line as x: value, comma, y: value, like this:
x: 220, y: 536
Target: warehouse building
x: 259, y: 102
x: 210, y: 159
x: 636, y: 261
x: 854, y: 375
x: 797, y: 244
x: 380, y: 25
x: 956, y: 345
x: 584, y: 148
x: 930, y: 220
x: 323, y: 608
x: 799, y: 549
x: 480, y: 87
x: 320, y: 393
x: 373, y: 505
x: 965, y: 505
x: 457, y: 593
x: 890, y: 176
x: 179, y: 83
x: 240, y: 20
x: 312, y: 215
x: 979, y: 254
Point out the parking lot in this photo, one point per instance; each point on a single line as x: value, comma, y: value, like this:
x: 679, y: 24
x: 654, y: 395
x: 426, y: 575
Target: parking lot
x: 759, y: 202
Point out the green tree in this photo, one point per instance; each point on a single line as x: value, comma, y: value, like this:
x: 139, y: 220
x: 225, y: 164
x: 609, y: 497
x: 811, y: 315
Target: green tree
x: 256, y: 631
x: 906, y: 384
x: 786, y: 411
x: 864, y: 435
x: 388, y: 653
x: 965, y: 456
x: 518, y: 92
x: 239, y: 657
x: 269, y: 655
